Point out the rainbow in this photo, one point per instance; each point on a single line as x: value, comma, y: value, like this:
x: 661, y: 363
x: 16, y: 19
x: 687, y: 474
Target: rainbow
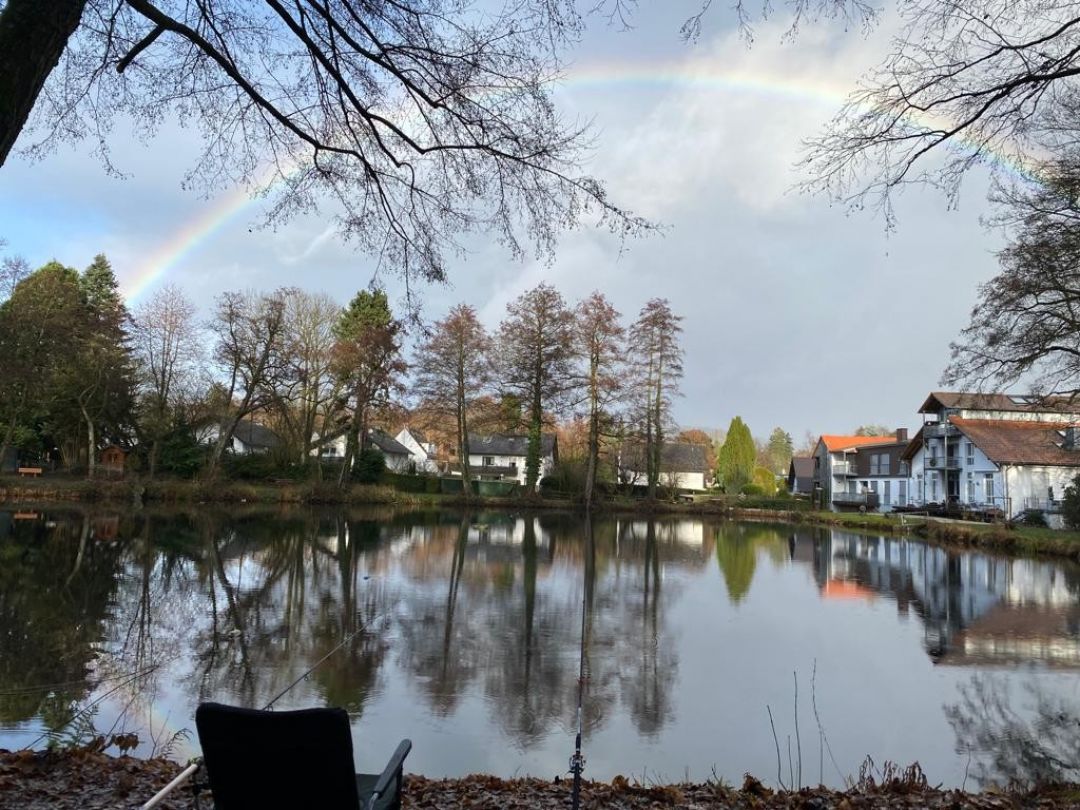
x: 700, y: 74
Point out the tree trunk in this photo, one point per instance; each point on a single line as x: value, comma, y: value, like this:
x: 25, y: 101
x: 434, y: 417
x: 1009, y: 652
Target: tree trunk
x: 33, y: 35
x: 91, y: 445
x: 594, y: 432
x: 353, y: 445
x: 155, y: 447
x: 463, y: 432
x: 223, y: 441
x: 9, y: 437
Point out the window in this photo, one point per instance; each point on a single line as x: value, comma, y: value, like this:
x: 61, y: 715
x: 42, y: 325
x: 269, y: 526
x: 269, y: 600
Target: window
x: 887, y: 496
x: 489, y: 461
x: 874, y: 464
x: 883, y: 464
x: 873, y: 486
x: 989, y: 484
x: 971, y: 487
x: 901, y: 496
x: 969, y: 453
x: 1050, y: 494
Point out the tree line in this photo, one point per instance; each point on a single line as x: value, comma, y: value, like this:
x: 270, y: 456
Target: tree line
x: 83, y: 371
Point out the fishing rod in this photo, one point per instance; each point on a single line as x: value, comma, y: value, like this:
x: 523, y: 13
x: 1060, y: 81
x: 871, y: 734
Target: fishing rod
x: 196, y: 763
x: 577, y: 759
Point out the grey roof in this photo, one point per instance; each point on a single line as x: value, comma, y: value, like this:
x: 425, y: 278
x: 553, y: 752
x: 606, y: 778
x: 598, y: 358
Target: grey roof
x: 255, y: 435
x: 509, y: 444
x: 802, y: 466
x: 387, y: 443
x: 674, y: 457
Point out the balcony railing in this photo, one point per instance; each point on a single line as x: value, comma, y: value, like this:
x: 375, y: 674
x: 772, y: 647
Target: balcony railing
x: 1042, y: 505
x: 867, y: 499
x: 942, y: 462
x: 844, y: 468
x: 939, y: 430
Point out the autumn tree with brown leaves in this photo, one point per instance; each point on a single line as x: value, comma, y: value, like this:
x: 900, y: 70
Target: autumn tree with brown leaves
x: 657, y: 364
x: 453, y: 371
x: 598, y: 338
x: 536, y: 362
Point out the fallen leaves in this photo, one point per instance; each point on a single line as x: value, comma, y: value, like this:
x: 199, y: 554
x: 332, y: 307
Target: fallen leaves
x: 89, y: 779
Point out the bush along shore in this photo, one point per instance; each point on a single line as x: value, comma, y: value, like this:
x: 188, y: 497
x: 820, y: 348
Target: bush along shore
x: 88, y: 779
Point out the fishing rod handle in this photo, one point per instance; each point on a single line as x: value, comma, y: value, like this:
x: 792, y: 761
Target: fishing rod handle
x: 180, y: 778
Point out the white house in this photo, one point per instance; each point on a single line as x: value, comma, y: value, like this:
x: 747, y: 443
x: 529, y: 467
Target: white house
x: 995, y: 451
x: 501, y: 456
x: 248, y: 437
x: 421, y: 451
x: 398, y: 458
x: 682, y: 465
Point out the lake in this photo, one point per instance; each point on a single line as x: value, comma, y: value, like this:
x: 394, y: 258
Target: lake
x: 465, y: 630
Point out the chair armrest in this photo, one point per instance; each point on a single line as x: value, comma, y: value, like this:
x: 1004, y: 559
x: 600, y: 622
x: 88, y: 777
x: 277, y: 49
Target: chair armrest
x: 391, y: 771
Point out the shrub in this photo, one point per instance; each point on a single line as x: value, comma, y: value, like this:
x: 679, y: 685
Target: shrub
x: 261, y: 467
x: 369, y: 466
x: 752, y: 490
x: 1070, y: 504
x: 1034, y: 517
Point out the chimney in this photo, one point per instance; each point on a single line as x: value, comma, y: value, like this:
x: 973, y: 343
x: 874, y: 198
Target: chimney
x: 901, y: 435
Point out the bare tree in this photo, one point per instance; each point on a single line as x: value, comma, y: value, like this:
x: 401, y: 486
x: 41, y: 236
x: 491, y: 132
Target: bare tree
x: 1026, y: 324
x: 13, y: 269
x: 536, y: 361
x: 599, y: 337
x: 308, y: 389
x: 453, y: 370
x: 980, y: 82
x: 658, y: 368
x: 165, y: 339
x: 249, y: 332
x: 419, y: 119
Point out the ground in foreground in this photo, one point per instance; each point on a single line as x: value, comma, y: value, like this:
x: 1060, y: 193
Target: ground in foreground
x: 88, y: 779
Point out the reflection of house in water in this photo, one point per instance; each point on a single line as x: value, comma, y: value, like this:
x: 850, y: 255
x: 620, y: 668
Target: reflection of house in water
x: 975, y: 608
x: 501, y: 541
x: 689, y: 534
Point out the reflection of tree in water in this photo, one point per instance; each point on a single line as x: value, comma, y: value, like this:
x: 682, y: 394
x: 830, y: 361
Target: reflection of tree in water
x: 736, y: 554
x: 282, y: 594
x: 1011, y: 749
x: 56, y: 587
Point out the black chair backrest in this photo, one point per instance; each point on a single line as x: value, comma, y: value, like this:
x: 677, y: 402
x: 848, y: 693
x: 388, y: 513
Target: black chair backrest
x: 260, y: 759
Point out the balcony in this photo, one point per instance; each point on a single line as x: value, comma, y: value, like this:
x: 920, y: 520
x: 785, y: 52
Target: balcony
x: 854, y: 500
x: 943, y: 462
x: 842, y: 469
x: 940, y: 430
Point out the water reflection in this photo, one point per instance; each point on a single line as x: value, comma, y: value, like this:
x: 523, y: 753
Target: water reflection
x: 976, y: 609
x: 471, y: 625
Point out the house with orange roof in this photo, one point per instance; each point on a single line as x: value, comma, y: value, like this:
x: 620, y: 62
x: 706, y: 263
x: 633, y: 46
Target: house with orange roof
x: 1002, y: 452
x: 853, y: 472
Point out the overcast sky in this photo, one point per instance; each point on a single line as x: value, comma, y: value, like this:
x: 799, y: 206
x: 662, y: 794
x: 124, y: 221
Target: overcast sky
x: 797, y: 313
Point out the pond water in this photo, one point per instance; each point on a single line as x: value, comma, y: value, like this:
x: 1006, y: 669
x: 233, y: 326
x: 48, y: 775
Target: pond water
x: 470, y: 630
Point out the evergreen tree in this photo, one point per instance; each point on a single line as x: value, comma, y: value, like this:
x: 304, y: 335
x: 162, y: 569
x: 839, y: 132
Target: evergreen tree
x: 367, y: 363
x: 735, y: 461
x: 779, y: 451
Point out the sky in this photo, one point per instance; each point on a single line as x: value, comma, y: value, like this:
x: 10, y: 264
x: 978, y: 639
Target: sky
x: 797, y: 313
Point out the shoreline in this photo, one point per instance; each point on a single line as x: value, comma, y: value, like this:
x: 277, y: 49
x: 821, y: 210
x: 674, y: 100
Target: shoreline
x: 58, y: 491
x: 88, y: 779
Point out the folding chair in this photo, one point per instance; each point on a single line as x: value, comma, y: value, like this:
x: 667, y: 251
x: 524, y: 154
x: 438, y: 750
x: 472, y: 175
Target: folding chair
x: 297, y: 759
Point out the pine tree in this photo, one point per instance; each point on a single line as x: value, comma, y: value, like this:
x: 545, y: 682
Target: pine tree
x: 735, y: 461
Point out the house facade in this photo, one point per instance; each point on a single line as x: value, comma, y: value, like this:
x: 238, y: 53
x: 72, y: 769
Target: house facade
x: 421, y: 451
x: 853, y: 472
x: 682, y: 465
x: 501, y: 456
x: 800, y: 480
x: 995, y: 452
x: 398, y: 457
